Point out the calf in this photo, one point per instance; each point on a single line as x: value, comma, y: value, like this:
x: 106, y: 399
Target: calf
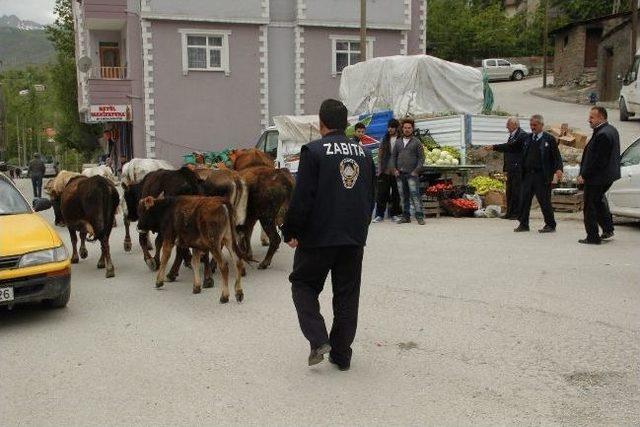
x: 248, y: 158
x: 270, y: 192
x: 205, y: 224
x: 89, y: 207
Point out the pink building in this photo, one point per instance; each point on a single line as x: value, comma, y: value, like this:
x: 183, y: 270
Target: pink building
x: 172, y: 77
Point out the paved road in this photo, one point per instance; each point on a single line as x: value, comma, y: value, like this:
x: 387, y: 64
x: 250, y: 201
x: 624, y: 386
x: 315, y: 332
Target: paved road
x: 462, y: 322
x: 515, y: 98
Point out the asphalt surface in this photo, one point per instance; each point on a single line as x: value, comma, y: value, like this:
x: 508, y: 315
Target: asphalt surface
x: 462, y: 322
x: 514, y: 97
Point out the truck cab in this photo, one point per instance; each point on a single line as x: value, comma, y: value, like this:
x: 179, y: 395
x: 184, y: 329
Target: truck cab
x: 501, y: 69
x: 285, y: 154
x: 629, y: 100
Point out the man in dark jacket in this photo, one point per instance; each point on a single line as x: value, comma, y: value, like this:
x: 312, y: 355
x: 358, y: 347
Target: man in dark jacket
x: 599, y: 168
x: 36, y: 172
x: 541, y: 166
x: 408, y: 158
x: 387, y: 186
x: 513, y: 165
x: 327, y: 222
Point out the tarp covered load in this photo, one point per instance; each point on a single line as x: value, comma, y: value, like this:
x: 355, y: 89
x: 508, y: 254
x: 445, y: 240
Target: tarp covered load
x: 411, y: 85
x: 298, y: 128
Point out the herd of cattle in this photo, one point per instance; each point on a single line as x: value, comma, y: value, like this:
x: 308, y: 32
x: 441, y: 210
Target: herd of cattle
x: 200, y: 211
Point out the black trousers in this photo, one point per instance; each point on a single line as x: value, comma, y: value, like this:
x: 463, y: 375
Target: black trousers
x: 387, y: 195
x: 535, y: 183
x: 310, y: 269
x: 514, y: 184
x: 596, y: 211
x: 36, y: 182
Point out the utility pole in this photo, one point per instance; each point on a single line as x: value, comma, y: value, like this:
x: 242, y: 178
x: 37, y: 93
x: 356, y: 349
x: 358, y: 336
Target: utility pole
x: 634, y: 28
x: 363, y: 30
x: 545, y: 42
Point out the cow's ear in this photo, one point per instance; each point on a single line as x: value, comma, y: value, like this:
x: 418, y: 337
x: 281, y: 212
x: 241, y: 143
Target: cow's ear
x: 161, y: 196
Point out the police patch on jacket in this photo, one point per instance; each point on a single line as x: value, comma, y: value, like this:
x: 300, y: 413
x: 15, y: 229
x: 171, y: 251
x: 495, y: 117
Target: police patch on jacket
x: 350, y: 171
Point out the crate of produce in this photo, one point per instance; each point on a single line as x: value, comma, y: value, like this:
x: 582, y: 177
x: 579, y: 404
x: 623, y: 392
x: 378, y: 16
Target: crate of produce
x: 567, y: 202
x: 431, y: 206
x: 459, y: 207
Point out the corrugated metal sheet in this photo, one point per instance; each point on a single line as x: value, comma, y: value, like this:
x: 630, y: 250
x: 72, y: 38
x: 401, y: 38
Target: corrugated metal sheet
x: 447, y: 131
x: 489, y: 130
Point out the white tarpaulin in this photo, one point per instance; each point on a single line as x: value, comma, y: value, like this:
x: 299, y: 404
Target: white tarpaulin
x: 298, y: 128
x: 411, y: 85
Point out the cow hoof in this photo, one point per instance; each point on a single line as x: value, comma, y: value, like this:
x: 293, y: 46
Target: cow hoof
x: 197, y: 290
x: 100, y: 265
x: 263, y: 266
x: 127, y: 246
x: 208, y: 283
x: 151, y: 263
x: 172, y: 277
x: 224, y: 299
x: 239, y: 296
x: 83, y: 253
x: 110, y: 273
x: 74, y: 259
x: 265, y: 244
x: 159, y: 284
x: 243, y: 273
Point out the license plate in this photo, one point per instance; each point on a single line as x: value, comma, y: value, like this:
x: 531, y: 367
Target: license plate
x: 6, y: 294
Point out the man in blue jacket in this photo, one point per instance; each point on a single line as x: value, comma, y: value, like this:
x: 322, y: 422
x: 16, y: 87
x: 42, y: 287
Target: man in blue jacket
x: 327, y: 223
x: 599, y: 168
x: 541, y: 167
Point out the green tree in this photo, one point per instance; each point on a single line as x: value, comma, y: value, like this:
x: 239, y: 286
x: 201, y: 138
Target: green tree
x: 70, y: 131
x: 578, y: 10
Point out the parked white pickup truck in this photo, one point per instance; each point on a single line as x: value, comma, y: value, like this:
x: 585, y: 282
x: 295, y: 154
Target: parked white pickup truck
x: 501, y: 69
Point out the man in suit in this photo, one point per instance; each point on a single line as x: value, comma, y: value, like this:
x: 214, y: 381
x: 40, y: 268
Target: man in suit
x: 513, y: 165
x: 599, y: 168
x: 541, y: 166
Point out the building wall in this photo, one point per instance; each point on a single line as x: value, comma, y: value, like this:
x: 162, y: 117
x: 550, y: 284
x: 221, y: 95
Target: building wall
x: 569, y: 59
x: 241, y: 10
x: 205, y: 111
x: 319, y: 83
x: 282, y: 10
x: 134, y: 64
x: 618, y: 44
x: 416, y: 37
x: 281, y: 71
x: 381, y: 13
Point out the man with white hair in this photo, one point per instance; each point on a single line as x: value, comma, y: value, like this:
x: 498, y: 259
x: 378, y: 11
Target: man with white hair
x: 512, y: 166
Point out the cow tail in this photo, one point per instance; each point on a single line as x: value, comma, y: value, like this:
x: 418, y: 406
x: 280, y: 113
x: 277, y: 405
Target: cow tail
x: 241, y: 201
x: 106, y: 212
x: 234, y: 235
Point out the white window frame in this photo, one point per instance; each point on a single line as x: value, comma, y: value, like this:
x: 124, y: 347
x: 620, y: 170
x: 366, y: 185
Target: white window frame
x: 224, y: 50
x: 338, y: 38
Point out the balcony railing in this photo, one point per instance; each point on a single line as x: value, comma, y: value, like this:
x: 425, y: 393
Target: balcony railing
x: 110, y: 73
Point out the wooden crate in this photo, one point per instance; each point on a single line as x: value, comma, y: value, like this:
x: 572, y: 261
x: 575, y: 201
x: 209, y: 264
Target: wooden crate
x: 431, y: 207
x: 567, y: 202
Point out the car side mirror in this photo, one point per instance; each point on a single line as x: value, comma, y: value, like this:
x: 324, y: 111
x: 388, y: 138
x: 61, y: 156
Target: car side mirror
x: 41, y: 204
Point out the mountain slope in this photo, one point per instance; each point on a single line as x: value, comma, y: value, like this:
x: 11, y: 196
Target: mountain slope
x: 12, y: 21
x: 19, y: 48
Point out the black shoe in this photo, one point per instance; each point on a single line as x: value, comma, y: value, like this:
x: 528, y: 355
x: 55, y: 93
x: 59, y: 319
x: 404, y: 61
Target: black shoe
x: 607, y: 235
x: 589, y: 242
x: 547, y: 229
x: 521, y: 228
x: 317, y: 354
x: 403, y: 221
x: 340, y: 367
x: 420, y: 221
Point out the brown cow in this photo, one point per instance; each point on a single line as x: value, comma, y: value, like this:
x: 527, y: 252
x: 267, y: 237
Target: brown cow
x: 205, y: 224
x: 248, y: 158
x: 270, y: 192
x: 89, y: 206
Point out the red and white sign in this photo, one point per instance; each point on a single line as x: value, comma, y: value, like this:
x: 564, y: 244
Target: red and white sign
x: 109, y: 113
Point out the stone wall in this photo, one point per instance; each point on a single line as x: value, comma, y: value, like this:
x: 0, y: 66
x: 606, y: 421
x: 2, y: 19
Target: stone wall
x: 568, y: 63
x: 617, y: 45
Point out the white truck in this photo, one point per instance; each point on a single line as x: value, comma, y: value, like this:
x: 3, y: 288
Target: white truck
x: 629, y: 100
x: 501, y: 69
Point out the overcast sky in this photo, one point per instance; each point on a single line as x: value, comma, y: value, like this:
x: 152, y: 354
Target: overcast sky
x: 40, y: 11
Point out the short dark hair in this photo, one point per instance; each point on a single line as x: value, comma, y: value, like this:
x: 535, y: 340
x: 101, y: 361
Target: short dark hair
x: 360, y: 125
x: 410, y: 121
x: 333, y: 114
x: 602, y: 111
x: 393, y: 123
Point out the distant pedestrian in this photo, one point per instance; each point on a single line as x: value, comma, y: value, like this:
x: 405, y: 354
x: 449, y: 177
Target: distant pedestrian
x: 408, y: 158
x: 387, y: 187
x: 512, y: 165
x: 36, y: 173
x: 599, y: 168
x: 327, y: 222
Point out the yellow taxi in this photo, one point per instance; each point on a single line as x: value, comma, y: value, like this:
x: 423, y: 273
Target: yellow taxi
x: 34, y: 264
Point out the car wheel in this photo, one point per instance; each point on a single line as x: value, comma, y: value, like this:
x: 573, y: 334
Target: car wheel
x: 624, y: 113
x: 60, y: 301
x: 518, y: 75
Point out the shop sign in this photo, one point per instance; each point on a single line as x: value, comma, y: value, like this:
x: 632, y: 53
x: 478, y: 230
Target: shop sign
x: 109, y: 113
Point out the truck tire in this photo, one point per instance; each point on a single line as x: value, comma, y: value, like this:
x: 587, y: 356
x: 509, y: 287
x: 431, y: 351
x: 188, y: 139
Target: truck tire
x: 624, y: 113
x: 517, y: 75
x: 60, y: 301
